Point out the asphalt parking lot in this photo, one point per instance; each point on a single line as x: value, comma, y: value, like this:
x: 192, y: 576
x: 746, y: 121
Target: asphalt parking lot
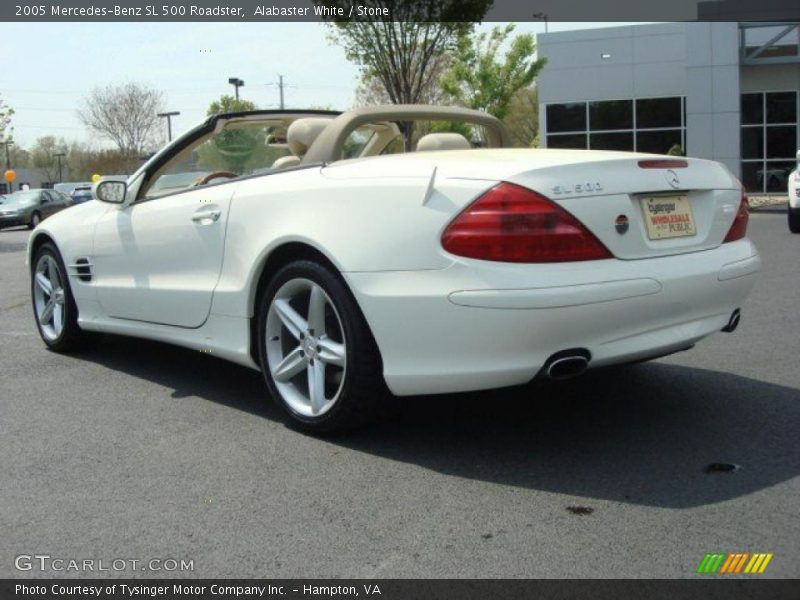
x: 141, y: 450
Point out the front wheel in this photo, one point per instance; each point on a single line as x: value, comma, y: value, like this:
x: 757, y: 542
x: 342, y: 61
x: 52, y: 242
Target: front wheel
x: 317, y: 353
x: 53, y: 304
x: 794, y: 220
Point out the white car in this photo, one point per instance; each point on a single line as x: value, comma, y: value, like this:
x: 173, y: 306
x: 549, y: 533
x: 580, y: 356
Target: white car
x: 297, y: 243
x: 794, y: 198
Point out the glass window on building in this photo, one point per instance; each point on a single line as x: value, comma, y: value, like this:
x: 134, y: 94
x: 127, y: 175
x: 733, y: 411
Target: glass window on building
x: 769, y: 140
x: 653, y: 125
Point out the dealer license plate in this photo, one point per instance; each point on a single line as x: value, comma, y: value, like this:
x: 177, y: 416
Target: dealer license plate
x: 668, y: 217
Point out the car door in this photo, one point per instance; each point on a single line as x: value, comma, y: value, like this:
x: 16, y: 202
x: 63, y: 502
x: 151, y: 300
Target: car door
x: 46, y: 204
x: 159, y: 260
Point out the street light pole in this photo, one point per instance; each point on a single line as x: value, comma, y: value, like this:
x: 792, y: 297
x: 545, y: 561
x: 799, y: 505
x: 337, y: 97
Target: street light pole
x: 541, y: 17
x: 59, y: 156
x: 168, y: 116
x: 7, y: 143
x: 236, y: 83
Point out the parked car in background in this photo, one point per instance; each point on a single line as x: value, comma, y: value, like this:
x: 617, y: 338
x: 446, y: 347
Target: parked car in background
x: 794, y: 198
x: 31, y: 207
x: 81, y: 194
x: 67, y: 187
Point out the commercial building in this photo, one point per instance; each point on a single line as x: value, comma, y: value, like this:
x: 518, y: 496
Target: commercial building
x: 721, y: 90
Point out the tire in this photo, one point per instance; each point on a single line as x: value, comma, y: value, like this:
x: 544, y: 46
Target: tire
x: 794, y: 220
x: 61, y: 333
x: 36, y: 218
x: 343, y: 360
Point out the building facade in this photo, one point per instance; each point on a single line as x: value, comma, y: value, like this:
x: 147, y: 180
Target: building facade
x: 726, y: 91
x: 27, y: 179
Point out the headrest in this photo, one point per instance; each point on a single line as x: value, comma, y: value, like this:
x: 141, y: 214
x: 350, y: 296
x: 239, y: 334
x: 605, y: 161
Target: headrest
x: 442, y: 141
x: 303, y: 132
x: 284, y: 162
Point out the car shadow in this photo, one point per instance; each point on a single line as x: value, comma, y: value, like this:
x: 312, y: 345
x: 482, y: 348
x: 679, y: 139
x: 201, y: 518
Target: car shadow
x: 645, y: 434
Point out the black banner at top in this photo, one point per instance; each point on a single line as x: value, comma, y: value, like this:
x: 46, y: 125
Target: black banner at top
x: 443, y: 10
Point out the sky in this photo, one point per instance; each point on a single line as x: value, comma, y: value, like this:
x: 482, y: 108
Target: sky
x: 47, y: 69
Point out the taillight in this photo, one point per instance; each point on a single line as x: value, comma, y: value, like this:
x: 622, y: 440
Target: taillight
x: 739, y: 228
x: 510, y: 223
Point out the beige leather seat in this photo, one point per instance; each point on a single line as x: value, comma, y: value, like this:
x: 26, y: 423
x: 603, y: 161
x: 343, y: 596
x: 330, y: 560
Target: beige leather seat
x: 442, y: 141
x: 300, y: 135
x: 284, y: 162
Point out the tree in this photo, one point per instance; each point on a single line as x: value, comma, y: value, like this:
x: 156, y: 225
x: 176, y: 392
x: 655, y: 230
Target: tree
x: 233, y: 149
x: 522, y: 119
x: 371, y: 90
x: 127, y: 115
x: 228, y: 103
x: 6, y: 131
x: 402, y: 52
x: 479, y: 80
x: 43, y: 156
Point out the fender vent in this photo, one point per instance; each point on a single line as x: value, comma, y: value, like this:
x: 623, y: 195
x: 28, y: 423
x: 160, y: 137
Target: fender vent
x: 83, y: 269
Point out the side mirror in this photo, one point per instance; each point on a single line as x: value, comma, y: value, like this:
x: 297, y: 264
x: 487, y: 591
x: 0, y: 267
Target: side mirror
x: 111, y: 191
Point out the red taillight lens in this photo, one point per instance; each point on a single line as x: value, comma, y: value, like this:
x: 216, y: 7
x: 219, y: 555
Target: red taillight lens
x: 510, y: 223
x: 739, y: 228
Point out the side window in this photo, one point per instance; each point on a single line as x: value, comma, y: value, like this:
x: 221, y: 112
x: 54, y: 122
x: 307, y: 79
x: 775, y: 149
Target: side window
x: 44, y: 198
x: 240, y: 149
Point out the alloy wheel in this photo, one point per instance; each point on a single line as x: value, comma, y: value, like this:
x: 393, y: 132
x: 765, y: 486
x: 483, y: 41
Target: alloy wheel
x: 305, y: 347
x: 48, y: 297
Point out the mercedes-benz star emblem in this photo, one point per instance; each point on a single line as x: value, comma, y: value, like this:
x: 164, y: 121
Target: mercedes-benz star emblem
x: 672, y: 178
x: 621, y: 224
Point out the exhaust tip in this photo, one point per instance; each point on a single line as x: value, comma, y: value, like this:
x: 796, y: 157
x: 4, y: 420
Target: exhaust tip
x: 567, y: 364
x: 733, y: 322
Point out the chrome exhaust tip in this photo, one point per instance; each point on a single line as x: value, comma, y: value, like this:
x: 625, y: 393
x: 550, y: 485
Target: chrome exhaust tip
x: 567, y: 364
x: 733, y: 322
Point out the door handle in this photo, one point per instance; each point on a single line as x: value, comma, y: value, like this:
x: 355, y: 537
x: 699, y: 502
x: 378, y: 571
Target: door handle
x: 206, y: 215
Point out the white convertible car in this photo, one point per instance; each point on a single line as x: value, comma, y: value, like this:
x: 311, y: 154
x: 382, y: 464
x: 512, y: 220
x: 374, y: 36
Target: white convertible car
x: 794, y: 198
x: 343, y: 263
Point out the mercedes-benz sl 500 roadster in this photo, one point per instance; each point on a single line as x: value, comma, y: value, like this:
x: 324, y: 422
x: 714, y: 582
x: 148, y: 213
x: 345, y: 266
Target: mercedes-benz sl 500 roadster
x: 396, y: 249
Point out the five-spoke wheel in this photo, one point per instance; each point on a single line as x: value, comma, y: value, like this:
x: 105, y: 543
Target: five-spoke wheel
x: 319, y: 358
x: 48, y: 297
x: 53, y: 305
x: 306, y: 349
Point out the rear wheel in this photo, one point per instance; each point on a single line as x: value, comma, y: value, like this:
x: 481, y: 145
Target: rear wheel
x: 35, y: 220
x: 53, y: 304
x: 318, y: 356
x: 794, y: 220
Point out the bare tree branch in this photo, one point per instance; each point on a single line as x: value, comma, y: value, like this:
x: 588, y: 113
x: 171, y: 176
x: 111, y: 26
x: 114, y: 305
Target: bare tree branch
x: 127, y: 115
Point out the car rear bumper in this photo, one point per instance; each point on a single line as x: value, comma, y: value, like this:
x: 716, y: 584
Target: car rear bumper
x: 479, y: 325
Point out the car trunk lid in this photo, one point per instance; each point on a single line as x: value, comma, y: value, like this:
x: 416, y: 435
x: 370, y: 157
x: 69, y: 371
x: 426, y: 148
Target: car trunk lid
x: 642, y: 206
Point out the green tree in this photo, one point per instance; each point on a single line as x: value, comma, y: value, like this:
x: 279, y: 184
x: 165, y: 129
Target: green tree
x: 227, y: 104
x: 479, y: 79
x: 522, y: 119
x: 402, y: 52
x: 235, y: 149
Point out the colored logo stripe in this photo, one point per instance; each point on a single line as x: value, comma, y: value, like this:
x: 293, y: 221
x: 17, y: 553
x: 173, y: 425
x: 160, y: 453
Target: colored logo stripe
x: 758, y: 563
x: 734, y: 563
x: 710, y: 563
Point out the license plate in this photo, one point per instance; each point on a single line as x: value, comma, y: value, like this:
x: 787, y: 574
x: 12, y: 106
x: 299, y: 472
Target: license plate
x: 668, y: 217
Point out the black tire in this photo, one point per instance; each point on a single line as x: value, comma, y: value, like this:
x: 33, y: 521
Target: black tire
x: 71, y: 338
x: 794, y: 220
x: 363, y: 388
x: 36, y: 218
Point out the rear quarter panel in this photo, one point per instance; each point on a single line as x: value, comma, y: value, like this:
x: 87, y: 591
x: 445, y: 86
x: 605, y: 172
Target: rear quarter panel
x: 361, y: 224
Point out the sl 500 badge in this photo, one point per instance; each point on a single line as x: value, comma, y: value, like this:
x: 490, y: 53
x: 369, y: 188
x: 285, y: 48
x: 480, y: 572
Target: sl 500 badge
x: 580, y: 188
